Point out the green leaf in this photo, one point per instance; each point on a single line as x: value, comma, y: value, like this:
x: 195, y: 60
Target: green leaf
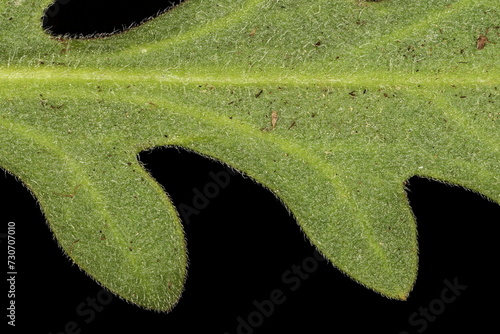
x: 331, y: 105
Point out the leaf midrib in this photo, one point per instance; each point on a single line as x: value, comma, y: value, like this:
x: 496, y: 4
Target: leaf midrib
x: 367, y: 79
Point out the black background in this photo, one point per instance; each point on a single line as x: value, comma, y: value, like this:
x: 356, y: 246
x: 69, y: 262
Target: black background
x: 239, y: 248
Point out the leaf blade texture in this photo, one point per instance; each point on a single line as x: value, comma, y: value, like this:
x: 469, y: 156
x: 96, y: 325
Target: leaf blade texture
x: 331, y: 105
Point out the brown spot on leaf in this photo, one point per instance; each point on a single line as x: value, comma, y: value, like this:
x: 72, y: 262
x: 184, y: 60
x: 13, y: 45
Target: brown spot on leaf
x: 70, y: 249
x: 481, y: 42
x: 274, y: 119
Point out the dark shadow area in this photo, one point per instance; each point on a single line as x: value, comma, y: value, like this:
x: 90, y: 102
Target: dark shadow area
x: 243, y: 245
x: 458, y: 232
x: 91, y: 18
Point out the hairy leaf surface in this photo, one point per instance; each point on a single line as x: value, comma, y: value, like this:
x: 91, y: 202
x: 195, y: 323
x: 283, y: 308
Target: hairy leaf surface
x: 331, y: 105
